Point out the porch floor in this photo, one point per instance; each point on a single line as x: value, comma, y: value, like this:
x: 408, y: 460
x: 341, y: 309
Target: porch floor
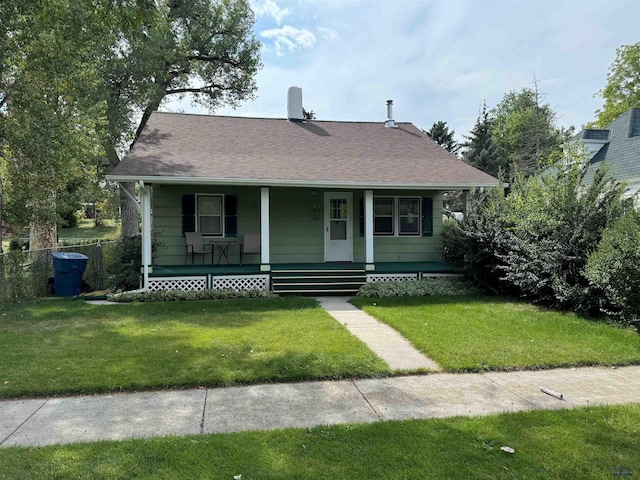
x: 386, y: 267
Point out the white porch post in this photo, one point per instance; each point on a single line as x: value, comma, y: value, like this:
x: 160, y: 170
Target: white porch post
x: 368, y: 229
x: 264, y: 230
x: 145, y: 201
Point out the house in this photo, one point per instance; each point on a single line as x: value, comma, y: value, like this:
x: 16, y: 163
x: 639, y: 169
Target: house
x: 618, y: 146
x: 334, y: 203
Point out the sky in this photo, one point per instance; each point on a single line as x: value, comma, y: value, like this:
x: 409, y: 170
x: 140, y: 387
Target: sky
x: 437, y: 60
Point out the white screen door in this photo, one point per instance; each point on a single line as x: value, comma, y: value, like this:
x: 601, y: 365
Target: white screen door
x: 337, y: 227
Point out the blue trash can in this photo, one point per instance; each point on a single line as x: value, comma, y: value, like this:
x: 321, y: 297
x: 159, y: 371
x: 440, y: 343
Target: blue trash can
x: 67, y: 273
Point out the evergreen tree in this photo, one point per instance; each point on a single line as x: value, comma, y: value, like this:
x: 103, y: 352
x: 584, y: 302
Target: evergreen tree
x: 479, y: 149
x: 440, y: 134
x: 524, y: 130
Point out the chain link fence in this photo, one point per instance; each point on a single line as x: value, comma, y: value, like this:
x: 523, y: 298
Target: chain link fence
x: 26, y: 274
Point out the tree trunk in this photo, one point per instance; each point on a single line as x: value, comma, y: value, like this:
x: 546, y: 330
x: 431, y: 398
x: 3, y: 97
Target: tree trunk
x: 42, y: 237
x: 129, y: 209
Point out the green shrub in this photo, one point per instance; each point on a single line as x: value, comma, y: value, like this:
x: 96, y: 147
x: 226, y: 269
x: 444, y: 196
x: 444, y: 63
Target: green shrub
x: 452, y: 245
x: 536, y: 240
x: 68, y: 218
x: 14, y: 276
x: 123, y: 264
x: 176, y: 295
x: 615, y: 268
x: 18, y: 245
x: 417, y: 288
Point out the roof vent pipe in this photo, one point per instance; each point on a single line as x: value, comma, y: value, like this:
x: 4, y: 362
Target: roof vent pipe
x: 389, y: 122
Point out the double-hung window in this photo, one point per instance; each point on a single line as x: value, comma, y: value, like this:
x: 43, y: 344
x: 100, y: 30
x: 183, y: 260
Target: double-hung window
x: 214, y: 215
x: 408, y: 216
x: 398, y: 216
x: 209, y: 214
x: 383, y: 208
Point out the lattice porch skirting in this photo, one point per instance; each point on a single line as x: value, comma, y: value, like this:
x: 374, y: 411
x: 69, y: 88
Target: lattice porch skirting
x: 240, y: 282
x: 391, y: 277
x: 202, y: 282
x: 178, y: 283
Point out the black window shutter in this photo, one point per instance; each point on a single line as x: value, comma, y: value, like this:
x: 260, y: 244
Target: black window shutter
x: 231, y: 215
x: 361, y: 210
x: 188, y: 213
x: 427, y: 217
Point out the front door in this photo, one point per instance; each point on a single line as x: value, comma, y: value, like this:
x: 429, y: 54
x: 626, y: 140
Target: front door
x: 337, y: 227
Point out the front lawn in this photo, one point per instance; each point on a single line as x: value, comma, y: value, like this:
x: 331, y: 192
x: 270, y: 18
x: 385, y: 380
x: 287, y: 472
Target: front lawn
x: 62, y: 346
x: 479, y: 333
x: 586, y: 443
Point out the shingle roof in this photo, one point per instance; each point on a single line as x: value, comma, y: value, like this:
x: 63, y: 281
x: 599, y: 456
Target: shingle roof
x: 622, y: 153
x: 196, y: 148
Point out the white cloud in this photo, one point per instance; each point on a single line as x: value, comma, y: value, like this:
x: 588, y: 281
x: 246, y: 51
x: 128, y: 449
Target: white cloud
x: 328, y: 33
x: 290, y: 38
x: 437, y: 59
x: 271, y: 9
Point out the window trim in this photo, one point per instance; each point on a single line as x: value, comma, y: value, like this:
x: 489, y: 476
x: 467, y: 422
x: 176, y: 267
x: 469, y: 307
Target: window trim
x: 396, y: 216
x: 393, y: 217
x: 418, y: 216
x: 222, y: 214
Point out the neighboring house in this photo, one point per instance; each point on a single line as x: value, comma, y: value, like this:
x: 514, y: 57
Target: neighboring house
x: 332, y: 202
x: 618, y: 146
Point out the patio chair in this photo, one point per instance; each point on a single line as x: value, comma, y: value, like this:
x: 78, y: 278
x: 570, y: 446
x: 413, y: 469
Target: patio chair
x: 250, y: 244
x: 194, y: 246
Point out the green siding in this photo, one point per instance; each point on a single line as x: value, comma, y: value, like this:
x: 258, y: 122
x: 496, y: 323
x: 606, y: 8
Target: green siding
x: 297, y: 235
x: 167, y: 219
x: 403, y: 249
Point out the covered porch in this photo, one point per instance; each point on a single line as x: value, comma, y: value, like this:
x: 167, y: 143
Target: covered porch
x: 292, y: 278
x: 310, y: 238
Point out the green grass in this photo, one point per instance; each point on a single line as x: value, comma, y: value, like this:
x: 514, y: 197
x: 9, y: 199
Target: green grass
x: 86, y: 229
x: 586, y: 443
x: 61, y: 346
x: 479, y: 333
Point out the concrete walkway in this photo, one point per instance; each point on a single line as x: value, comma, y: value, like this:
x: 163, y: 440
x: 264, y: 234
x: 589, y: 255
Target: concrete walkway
x: 383, y: 340
x: 261, y: 407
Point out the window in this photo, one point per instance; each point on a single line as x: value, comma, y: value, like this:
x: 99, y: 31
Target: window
x: 383, y: 209
x: 409, y: 216
x: 213, y: 215
x: 400, y: 216
x: 209, y: 214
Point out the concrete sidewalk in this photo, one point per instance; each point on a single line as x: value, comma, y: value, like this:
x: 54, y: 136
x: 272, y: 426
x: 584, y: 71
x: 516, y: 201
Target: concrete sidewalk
x: 381, y: 339
x: 261, y: 407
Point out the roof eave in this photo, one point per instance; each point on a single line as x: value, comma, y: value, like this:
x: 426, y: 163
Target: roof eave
x: 295, y: 183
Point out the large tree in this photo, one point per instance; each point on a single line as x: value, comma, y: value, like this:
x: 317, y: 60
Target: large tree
x: 48, y: 123
x: 439, y: 133
x: 623, y: 84
x: 202, y: 48
x: 79, y: 80
x: 479, y: 149
x: 524, y: 130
